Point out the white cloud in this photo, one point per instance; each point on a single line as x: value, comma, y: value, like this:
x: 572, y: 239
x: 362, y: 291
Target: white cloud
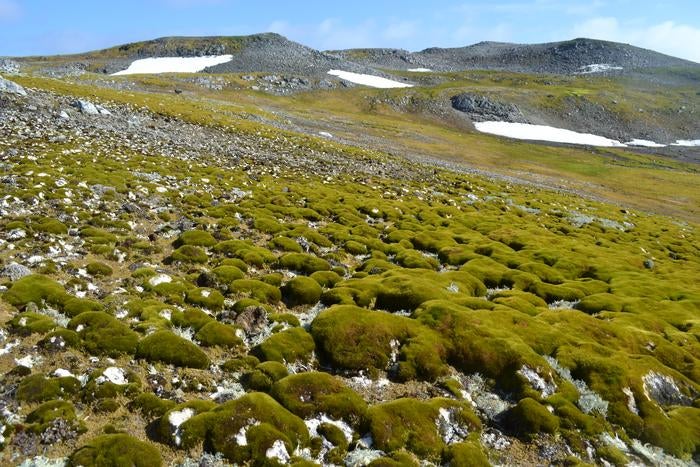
x: 668, y: 37
x: 9, y: 9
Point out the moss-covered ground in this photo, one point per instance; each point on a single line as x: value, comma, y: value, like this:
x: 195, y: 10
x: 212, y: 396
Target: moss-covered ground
x: 257, y: 311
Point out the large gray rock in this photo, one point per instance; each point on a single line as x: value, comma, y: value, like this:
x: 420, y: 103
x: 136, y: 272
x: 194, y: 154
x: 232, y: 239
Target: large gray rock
x: 89, y: 108
x: 11, y: 87
x: 16, y: 271
x: 483, y: 109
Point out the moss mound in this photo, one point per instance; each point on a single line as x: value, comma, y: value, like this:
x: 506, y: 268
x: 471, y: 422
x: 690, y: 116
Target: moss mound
x: 258, y: 290
x: 116, y: 450
x: 190, y: 254
x: 258, y: 416
x: 313, y: 393
x: 290, y: 345
x: 195, y: 238
x: 410, y: 424
x: 529, y: 417
x: 102, y: 334
x: 301, y: 291
x: 36, y: 289
x: 354, y: 338
x: 166, y: 347
x: 215, y: 334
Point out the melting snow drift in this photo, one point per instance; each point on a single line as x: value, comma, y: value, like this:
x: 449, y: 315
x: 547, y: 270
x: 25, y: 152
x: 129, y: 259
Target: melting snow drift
x: 599, y: 68
x: 645, y: 143
x: 174, y: 64
x: 544, y: 133
x: 420, y: 70
x: 685, y: 142
x: 369, y: 80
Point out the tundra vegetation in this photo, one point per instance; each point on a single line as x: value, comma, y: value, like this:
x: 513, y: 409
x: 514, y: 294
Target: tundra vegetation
x: 196, y: 305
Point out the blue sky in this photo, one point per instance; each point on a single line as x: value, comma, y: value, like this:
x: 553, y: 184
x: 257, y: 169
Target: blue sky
x: 31, y: 27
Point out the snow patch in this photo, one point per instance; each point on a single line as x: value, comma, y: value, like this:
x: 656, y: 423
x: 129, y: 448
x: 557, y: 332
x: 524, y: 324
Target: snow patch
x: 173, y: 64
x: 368, y: 80
x: 420, y: 70
x: 176, y: 419
x: 241, y: 437
x: 159, y: 279
x: 63, y: 373
x: 278, y: 451
x: 527, y: 131
x: 29, y: 361
x: 599, y: 68
x: 114, y: 375
x: 312, y: 425
x: 687, y: 142
x: 645, y: 143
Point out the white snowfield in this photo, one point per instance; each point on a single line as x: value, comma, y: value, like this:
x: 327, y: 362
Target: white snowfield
x: 151, y: 66
x: 645, y: 143
x: 420, y: 70
x: 544, y: 133
x: 368, y: 80
x: 687, y: 142
x: 599, y: 68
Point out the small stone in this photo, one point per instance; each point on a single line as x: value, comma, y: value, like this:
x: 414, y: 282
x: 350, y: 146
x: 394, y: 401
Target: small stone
x: 649, y: 264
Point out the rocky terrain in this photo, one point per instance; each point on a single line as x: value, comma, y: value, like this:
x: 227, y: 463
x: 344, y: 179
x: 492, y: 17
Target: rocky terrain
x: 234, y: 269
x: 569, y: 57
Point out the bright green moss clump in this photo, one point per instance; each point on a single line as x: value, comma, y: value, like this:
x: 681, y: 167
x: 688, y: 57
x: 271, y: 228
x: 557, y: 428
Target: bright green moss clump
x: 189, y: 254
x: 258, y: 290
x: 410, y: 424
x: 312, y: 393
x: 274, y: 423
x: 36, y: 289
x: 303, y: 263
x: 51, y: 226
x: 467, y: 454
x: 102, y: 334
x: 529, y: 417
x: 205, y: 298
x: 116, y: 450
x: 354, y: 338
x: 195, y: 238
x: 98, y: 269
x: 30, y: 323
x: 37, y: 388
x: 219, y: 334
x: 289, y: 346
x: 301, y: 291
x: 166, y: 347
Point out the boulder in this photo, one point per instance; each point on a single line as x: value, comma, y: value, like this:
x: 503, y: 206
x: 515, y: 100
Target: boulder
x: 482, y: 109
x: 16, y: 271
x: 11, y: 87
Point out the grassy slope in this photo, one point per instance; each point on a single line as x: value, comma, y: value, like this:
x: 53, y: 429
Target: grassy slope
x: 642, y: 181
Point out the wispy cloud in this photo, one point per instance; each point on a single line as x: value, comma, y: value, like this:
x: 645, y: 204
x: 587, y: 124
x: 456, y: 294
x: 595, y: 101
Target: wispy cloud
x: 668, y: 37
x: 9, y: 10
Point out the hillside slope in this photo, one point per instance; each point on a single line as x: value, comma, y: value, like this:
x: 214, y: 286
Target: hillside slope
x: 566, y: 57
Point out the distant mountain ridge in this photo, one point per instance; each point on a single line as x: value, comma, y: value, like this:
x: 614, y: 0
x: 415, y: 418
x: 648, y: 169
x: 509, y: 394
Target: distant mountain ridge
x: 556, y: 57
x: 271, y: 52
